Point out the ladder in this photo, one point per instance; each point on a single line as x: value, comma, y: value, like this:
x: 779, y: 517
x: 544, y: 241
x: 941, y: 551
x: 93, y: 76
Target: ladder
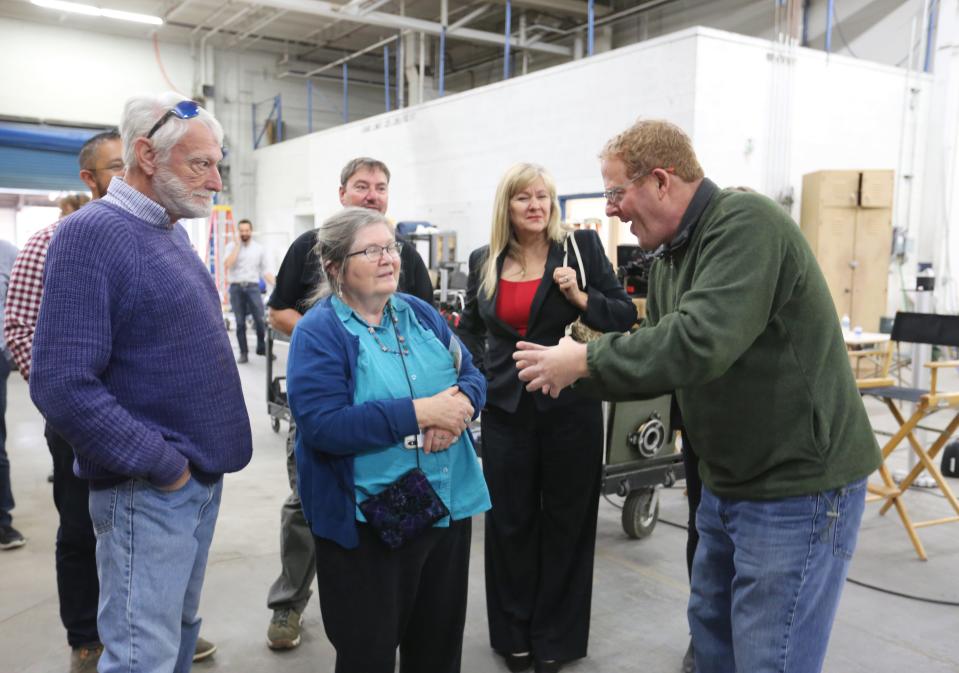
x: 222, y: 229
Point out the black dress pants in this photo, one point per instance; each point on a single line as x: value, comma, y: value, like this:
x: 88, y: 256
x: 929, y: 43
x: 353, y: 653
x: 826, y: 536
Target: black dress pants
x: 543, y: 471
x: 76, y: 549
x: 375, y: 600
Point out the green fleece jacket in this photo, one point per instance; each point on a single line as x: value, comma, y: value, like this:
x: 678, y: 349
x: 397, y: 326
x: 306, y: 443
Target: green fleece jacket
x: 740, y: 324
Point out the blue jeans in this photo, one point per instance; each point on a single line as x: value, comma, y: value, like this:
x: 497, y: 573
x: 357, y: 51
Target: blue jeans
x: 245, y: 300
x: 6, y: 492
x: 767, y: 577
x: 152, y: 548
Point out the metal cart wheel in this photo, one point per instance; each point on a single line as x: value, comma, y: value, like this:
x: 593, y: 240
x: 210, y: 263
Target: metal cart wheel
x: 640, y: 513
x: 275, y: 424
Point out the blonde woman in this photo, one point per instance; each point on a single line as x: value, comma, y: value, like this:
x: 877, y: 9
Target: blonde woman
x: 541, y: 456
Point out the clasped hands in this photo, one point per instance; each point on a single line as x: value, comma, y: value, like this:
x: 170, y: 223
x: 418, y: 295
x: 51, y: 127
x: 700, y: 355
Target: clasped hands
x: 549, y: 369
x: 443, y: 418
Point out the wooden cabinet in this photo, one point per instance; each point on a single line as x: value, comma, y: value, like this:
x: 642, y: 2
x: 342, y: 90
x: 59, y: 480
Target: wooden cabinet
x: 847, y: 219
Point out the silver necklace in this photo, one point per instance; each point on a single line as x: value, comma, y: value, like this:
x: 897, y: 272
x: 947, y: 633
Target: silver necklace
x: 400, y: 339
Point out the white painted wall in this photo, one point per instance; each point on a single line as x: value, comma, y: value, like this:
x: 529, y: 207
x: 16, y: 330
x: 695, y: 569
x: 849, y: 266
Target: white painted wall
x: 59, y: 73
x: 447, y: 155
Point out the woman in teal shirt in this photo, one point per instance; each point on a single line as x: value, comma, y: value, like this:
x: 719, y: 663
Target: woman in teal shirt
x: 368, y: 370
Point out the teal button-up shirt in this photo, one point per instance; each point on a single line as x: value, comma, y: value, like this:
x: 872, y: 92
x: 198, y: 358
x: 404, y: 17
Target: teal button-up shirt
x: 455, y: 474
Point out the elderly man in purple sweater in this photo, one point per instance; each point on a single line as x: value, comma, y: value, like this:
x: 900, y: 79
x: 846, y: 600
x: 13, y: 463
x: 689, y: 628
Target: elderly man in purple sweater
x: 132, y: 365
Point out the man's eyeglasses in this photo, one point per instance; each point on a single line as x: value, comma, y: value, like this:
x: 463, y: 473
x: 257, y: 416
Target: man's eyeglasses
x: 615, y: 195
x: 185, y: 109
x: 374, y: 252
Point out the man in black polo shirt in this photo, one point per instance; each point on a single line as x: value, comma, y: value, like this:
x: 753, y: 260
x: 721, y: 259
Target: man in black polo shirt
x: 365, y: 183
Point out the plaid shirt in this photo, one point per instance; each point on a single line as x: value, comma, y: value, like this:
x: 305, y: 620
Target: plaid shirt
x: 23, y: 297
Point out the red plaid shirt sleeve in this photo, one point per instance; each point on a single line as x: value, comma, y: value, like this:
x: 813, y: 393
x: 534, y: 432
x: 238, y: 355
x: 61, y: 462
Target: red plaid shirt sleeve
x: 23, y: 297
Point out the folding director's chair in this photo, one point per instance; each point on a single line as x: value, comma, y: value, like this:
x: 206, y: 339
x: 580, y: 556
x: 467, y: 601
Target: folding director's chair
x: 916, y: 328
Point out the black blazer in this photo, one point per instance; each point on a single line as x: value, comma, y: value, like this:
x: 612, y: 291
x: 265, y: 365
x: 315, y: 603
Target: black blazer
x: 492, y: 342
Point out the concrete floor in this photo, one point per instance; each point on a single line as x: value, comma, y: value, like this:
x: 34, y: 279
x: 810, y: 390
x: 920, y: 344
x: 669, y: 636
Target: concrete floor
x: 638, y: 615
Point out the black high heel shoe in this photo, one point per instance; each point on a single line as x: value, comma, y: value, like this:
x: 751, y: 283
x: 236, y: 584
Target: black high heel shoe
x: 518, y: 662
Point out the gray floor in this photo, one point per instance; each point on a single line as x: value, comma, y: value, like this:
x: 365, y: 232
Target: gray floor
x: 638, y: 616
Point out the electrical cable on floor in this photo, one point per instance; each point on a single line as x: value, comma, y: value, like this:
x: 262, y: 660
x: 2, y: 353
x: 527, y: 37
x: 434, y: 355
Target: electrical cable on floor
x: 858, y: 583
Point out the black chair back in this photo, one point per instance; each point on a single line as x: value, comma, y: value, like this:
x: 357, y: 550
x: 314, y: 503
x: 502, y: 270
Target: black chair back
x: 926, y: 328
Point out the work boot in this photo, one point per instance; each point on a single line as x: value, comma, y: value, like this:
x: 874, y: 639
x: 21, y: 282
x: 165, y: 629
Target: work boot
x: 284, y: 631
x: 84, y: 659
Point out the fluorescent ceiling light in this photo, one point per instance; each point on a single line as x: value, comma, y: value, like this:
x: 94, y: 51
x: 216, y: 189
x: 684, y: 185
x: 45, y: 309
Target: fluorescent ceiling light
x: 90, y: 10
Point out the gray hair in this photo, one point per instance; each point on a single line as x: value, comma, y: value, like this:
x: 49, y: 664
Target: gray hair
x: 334, y: 238
x: 89, y: 150
x: 359, y: 163
x: 140, y: 113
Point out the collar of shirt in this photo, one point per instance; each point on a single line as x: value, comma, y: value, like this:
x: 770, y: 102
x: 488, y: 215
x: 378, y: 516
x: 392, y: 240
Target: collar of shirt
x: 125, y: 197
x: 697, y: 205
x: 344, y: 312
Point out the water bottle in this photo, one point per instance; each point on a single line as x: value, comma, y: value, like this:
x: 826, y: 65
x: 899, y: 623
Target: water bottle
x: 845, y: 322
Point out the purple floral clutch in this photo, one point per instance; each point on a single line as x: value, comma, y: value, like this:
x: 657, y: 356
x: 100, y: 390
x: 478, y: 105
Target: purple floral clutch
x: 404, y: 509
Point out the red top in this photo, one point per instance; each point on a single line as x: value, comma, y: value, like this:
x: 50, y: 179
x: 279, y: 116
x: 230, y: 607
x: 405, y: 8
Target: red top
x: 514, y: 301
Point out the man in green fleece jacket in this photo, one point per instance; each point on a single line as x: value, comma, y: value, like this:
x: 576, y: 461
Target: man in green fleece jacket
x: 741, y: 326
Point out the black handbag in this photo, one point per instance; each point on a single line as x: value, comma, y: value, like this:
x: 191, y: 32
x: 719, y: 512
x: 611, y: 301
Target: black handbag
x: 404, y: 509
x: 409, y: 505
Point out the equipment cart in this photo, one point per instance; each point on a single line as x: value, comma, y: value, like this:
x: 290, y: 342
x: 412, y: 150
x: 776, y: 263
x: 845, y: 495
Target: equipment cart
x: 640, y: 458
x: 276, y: 402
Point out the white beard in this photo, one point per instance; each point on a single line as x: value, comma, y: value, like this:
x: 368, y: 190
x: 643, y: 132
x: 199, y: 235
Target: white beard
x: 177, y: 198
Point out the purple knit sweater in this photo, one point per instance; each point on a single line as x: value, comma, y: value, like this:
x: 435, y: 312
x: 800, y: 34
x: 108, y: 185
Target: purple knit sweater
x: 131, y: 361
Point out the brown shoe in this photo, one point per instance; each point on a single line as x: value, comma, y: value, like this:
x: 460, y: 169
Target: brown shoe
x: 84, y: 659
x: 284, y: 631
x: 204, y: 649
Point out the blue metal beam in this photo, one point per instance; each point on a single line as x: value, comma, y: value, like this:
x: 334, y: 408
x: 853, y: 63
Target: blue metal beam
x: 386, y: 75
x: 346, y: 93
x: 399, y: 72
x: 930, y: 33
x: 506, y: 31
x: 442, y: 57
x: 829, y: 12
x: 590, y: 32
x: 309, y: 105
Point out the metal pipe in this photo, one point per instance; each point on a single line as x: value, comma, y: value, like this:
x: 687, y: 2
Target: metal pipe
x: 522, y: 40
x: 329, y: 10
x: 346, y: 93
x: 365, y: 50
x: 263, y: 24
x: 444, y: 21
x: 590, y: 31
x: 386, y: 75
x: 475, y: 14
x: 422, y: 69
x: 506, y: 32
x: 933, y: 10
x: 829, y: 11
x: 254, y: 125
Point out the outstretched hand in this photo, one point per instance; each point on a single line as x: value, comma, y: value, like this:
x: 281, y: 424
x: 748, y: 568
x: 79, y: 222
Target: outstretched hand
x: 551, y: 369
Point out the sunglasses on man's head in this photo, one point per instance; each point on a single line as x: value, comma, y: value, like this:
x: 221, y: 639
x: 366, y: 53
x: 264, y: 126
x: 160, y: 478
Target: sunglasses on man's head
x: 186, y: 109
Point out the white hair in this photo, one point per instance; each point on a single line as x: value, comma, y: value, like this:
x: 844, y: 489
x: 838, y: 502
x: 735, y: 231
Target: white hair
x: 140, y: 113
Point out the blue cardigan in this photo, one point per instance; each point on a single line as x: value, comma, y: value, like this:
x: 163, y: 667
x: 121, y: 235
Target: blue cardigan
x: 330, y: 429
